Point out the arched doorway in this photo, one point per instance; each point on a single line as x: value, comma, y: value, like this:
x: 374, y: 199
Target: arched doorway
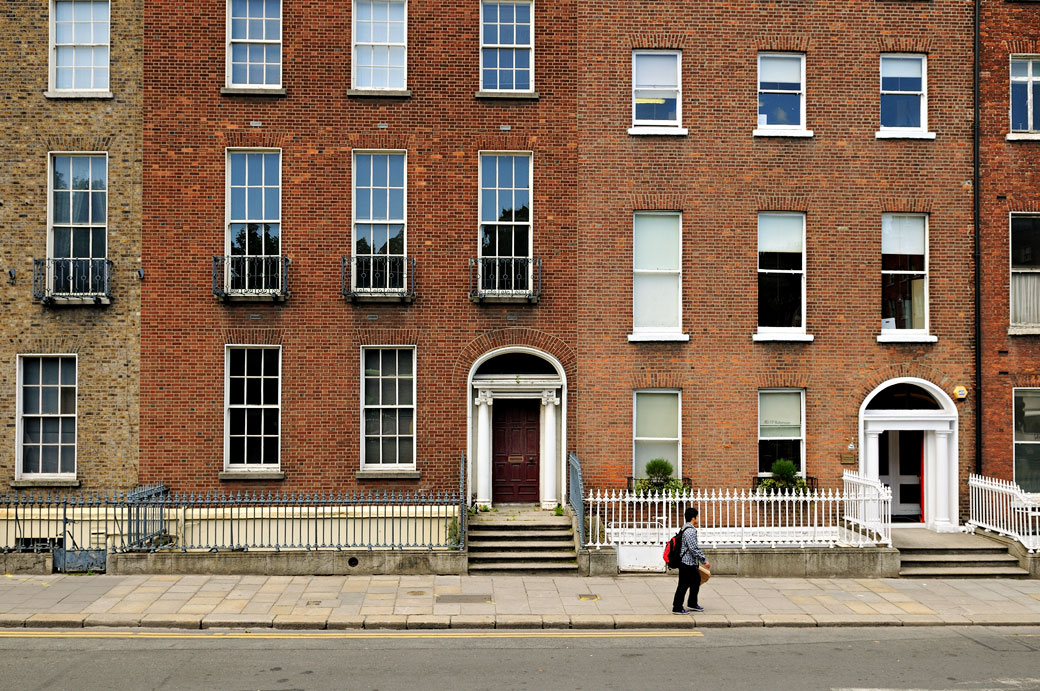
x: 516, y: 424
x: 908, y: 440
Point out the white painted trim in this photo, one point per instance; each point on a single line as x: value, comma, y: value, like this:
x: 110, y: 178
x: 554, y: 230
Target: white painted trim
x: 758, y: 428
x: 1022, y: 136
x: 781, y: 133
x: 361, y: 405
x: 644, y: 130
x: 52, y: 89
x: 561, y: 450
x: 887, y: 336
x: 49, y: 240
x: 779, y: 336
x: 678, y: 424
x: 658, y: 336
x: 782, y: 130
x: 642, y: 126
x: 18, y: 474
x: 920, y: 335
x: 783, y: 333
x: 941, y: 442
x: 905, y: 132
x: 354, y: 220
x: 375, y: 90
x: 281, y: 51
x: 481, y: 153
x: 480, y: 53
x: 247, y: 467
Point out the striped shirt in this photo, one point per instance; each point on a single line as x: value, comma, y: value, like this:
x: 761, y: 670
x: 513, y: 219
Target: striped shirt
x: 691, y: 552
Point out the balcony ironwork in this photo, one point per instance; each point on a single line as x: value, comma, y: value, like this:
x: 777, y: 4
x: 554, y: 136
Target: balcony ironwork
x: 505, y: 279
x: 257, y: 277
x: 72, y: 280
x: 378, y: 277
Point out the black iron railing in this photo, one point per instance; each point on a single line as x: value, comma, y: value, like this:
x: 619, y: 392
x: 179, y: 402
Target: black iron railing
x: 576, y: 494
x: 58, y: 279
x: 251, y: 276
x: 505, y: 278
x: 378, y: 276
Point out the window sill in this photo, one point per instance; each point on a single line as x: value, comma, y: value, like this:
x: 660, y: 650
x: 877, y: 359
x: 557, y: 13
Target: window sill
x: 380, y: 93
x: 269, y: 297
x: 1023, y: 136
x: 42, y: 482
x: 514, y: 95
x: 242, y: 91
x: 1023, y: 330
x: 77, y: 301
x: 781, y: 133
x: 767, y: 337
x: 662, y: 336
x: 903, y: 134
x: 906, y: 338
x: 644, y: 130
x: 58, y: 94
x: 251, y: 475
x: 387, y: 475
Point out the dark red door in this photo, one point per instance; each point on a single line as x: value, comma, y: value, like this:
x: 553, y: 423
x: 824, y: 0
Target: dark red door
x: 514, y: 450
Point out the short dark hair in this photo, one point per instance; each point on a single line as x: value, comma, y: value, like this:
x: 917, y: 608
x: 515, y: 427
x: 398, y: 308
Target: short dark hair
x: 691, y: 513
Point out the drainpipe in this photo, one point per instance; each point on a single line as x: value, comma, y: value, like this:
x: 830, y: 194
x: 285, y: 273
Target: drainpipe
x: 976, y: 217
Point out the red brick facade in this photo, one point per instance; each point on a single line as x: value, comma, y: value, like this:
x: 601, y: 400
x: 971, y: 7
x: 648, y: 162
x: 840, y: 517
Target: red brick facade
x: 1009, y: 184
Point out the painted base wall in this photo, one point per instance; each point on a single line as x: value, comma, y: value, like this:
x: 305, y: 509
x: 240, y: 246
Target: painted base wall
x: 291, y: 563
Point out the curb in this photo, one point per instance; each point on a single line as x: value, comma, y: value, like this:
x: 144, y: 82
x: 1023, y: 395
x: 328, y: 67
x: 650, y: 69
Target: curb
x: 399, y: 622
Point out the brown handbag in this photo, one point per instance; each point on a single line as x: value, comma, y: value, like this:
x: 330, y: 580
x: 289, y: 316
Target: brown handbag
x: 704, y: 572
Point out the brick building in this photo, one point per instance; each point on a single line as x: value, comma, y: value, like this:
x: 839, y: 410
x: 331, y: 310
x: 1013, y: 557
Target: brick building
x: 70, y: 121
x: 1009, y: 215
x: 787, y: 281
x: 359, y: 238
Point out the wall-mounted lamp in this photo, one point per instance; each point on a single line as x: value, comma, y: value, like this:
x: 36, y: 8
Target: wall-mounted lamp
x: 852, y: 445
x: 140, y: 274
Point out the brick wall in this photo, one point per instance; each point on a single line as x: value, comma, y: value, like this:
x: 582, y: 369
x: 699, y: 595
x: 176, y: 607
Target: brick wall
x: 442, y: 125
x: 720, y: 176
x: 106, y: 339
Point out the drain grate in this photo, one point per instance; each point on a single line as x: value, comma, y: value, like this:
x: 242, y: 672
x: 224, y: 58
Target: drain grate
x: 465, y: 599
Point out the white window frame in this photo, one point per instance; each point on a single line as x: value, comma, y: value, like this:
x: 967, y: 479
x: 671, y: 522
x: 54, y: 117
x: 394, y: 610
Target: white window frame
x: 354, y: 220
x: 765, y: 130
x: 228, y: 83
x: 913, y: 335
x: 1013, y: 326
x: 249, y: 467
x: 530, y: 218
x: 781, y: 333
x: 52, y: 85
x: 514, y: 46
x: 905, y: 132
x: 20, y: 419
x: 653, y: 334
x: 1014, y: 426
x: 354, y: 51
x: 678, y: 427
x: 1029, y: 133
x: 388, y: 467
x: 758, y: 423
x: 228, y: 221
x: 51, y: 155
x: 658, y: 127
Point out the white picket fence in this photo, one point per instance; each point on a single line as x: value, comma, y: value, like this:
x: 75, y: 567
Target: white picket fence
x: 638, y: 525
x: 1004, y: 508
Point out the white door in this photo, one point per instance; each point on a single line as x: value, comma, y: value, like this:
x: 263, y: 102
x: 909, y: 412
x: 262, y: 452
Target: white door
x: 901, y: 467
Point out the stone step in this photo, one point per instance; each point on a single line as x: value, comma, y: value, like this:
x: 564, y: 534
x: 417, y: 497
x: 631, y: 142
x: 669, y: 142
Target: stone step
x: 964, y: 572
x: 554, y: 523
x: 521, y: 534
x: 509, y: 545
x: 999, y: 559
x: 521, y: 569
x: 530, y: 556
x: 973, y: 549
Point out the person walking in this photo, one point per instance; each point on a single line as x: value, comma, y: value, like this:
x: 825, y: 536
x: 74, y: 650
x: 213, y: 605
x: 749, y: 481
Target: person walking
x: 689, y: 574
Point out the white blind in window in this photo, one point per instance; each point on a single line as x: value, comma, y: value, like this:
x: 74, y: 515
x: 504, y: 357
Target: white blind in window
x: 657, y: 415
x: 901, y: 67
x: 656, y: 71
x: 779, y: 233
x: 780, y: 414
x: 902, y: 234
x: 780, y: 68
x: 1025, y: 298
x: 656, y: 243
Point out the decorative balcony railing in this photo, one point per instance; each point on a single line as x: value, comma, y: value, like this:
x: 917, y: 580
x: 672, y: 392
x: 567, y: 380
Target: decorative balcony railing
x: 264, y: 276
x: 72, y: 279
x: 377, y: 277
x: 505, y: 278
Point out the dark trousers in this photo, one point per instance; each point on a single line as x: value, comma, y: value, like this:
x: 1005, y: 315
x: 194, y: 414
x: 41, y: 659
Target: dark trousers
x: 689, y: 579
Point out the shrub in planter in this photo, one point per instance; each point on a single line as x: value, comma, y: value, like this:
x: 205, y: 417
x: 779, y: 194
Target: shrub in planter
x: 785, y: 477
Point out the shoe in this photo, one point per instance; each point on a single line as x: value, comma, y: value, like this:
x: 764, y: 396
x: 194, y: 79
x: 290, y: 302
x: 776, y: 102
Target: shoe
x: 680, y: 611
x: 696, y: 608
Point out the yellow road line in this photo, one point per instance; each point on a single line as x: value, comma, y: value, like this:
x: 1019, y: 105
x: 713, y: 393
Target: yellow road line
x: 335, y: 635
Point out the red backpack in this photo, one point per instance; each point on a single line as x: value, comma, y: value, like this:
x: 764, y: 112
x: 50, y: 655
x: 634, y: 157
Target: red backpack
x: 673, y: 550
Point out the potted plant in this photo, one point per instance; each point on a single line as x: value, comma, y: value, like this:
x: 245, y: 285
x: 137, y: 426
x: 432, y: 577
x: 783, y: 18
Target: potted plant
x: 659, y: 478
x: 785, y: 477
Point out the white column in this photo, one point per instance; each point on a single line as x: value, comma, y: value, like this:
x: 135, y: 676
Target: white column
x: 549, y: 496
x: 484, y: 401
x: 872, y: 451
x: 941, y: 521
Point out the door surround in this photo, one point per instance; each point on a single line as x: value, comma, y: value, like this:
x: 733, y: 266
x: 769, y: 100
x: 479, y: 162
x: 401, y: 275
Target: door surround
x: 481, y: 392
x: 941, y: 467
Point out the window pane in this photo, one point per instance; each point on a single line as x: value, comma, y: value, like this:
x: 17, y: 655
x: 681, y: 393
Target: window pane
x: 780, y: 414
x: 902, y: 234
x: 780, y: 300
x: 780, y: 109
x: 780, y: 71
x: 657, y: 414
x: 1025, y: 298
x: 1027, y: 414
x: 656, y: 70
x: 902, y: 69
x: 902, y: 301
x: 656, y: 301
x: 900, y: 110
x: 1025, y: 242
x: 780, y: 232
x: 656, y: 106
x: 656, y: 244
x: 646, y: 451
x: 1019, y: 106
x: 1027, y: 467
x: 771, y: 450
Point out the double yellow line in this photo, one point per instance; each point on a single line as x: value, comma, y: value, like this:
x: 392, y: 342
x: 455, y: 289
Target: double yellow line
x: 338, y: 635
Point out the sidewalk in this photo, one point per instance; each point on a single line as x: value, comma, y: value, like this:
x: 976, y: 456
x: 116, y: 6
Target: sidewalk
x: 504, y: 602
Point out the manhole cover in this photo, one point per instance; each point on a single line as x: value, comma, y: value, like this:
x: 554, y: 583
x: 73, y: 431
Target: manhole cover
x: 588, y: 597
x: 456, y: 599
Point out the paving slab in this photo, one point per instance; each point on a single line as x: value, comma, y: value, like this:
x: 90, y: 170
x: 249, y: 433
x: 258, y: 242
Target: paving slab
x: 47, y: 620
x: 172, y: 621
x: 305, y: 622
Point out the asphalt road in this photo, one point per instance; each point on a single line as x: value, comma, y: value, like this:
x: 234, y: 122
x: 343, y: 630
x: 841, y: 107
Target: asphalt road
x: 961, y: 658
